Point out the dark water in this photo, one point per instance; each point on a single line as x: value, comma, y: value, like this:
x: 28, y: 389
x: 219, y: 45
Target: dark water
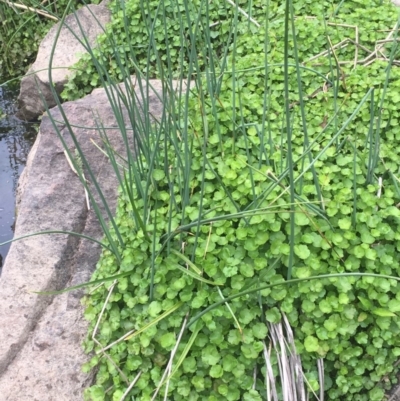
x: 16, y: 139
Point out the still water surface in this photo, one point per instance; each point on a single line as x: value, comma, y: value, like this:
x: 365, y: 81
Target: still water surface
x: 16, y: 139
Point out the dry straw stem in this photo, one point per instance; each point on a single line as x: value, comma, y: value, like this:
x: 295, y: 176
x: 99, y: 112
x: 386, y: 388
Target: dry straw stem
x: 339, y: 45
x: 373, y: 55
x: 269, y: 375
x: 244, y: 13
x: 96, y: 327
x: 395, y: 396
x: 321, y: 377
x: 291, y: 373
x: 380, y: 186
x: 343, y: 43
x: 379, y: 47
x: 288, y: 391
x: 208, y: 241
x: 130, y: 386
x: 295, y: 359
x: 232, y: 314
x: 168, y: 368
x: 254, y: 377
x: 35, y: 10
x: 355, y: 27
x: 108, y: 156
x: 74, y: 170
x: 115, y: 342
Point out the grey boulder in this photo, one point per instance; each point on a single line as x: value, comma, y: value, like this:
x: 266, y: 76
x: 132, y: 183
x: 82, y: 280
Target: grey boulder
x: 41, y: 335
x: 35, y: 86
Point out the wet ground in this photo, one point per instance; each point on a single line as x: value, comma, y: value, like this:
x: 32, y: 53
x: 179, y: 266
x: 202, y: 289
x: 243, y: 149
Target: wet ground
x: 16, y: 139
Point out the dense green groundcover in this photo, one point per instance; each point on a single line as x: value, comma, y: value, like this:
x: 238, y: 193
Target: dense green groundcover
x: 351, y: 322
x: 129, y: 34
x: 347, y: 219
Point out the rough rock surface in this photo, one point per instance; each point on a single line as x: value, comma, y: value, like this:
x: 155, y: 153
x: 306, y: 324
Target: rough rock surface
x: 40, y: 335
x: 92, y: 20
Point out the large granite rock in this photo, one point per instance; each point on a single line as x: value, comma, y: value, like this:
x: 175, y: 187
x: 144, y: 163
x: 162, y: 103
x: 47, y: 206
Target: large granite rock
x: 35, y: 84
x: 40, y: 336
